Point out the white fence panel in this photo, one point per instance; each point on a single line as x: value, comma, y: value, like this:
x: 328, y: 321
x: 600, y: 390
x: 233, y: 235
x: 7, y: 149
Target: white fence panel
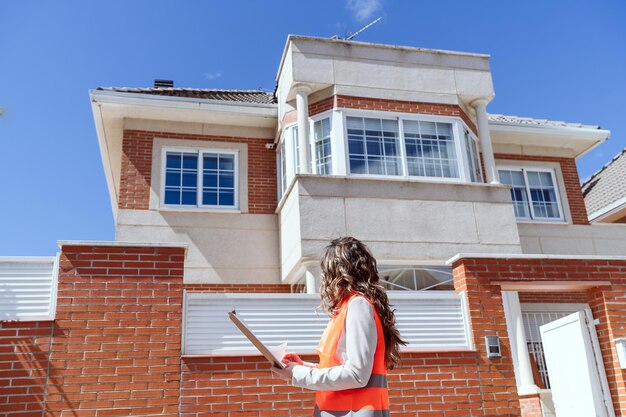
x: 28, y: 288
x: 430, y: 321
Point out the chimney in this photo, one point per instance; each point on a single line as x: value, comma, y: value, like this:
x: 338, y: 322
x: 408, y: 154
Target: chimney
x: 163, y: 83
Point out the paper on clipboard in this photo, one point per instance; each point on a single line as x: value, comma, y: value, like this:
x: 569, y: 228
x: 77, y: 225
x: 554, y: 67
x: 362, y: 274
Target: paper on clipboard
x: 273, y: 354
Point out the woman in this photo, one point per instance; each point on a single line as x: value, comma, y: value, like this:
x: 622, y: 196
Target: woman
x: 360, y: 342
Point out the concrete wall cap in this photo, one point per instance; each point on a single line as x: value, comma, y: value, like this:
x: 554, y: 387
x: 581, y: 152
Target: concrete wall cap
x: 116, y: 243
x: 460, y: 256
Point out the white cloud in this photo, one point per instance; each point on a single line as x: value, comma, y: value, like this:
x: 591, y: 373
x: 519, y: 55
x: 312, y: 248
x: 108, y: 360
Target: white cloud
x: 212, y: 75
x: 364, y: 9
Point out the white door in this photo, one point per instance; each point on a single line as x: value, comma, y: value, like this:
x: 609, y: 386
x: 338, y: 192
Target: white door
x: 577, y: 378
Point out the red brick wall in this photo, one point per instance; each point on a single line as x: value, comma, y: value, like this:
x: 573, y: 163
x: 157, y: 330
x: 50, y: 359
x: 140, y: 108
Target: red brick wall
x: 399, y: 106
x: 116, y: 345
x: 531, y: 406
x: 486, y: 314
x: 24, y: 360
x: 136, y: 171
x: 427, y: 384
x: 239, y: 288
x: 608, y: 304
x: 570, y: 178
x: 553, y: 297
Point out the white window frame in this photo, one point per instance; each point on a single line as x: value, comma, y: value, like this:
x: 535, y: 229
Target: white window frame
x: 470, y: 163
x: 557, y: 191
x: 312, y: 120
x: 199, y: 206
x: 457, y: 126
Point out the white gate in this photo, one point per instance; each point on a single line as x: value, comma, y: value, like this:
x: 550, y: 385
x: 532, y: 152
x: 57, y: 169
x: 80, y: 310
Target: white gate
x: 574, y: 362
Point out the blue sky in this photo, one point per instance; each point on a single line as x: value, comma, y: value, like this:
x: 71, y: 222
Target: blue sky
x: 561, y: 60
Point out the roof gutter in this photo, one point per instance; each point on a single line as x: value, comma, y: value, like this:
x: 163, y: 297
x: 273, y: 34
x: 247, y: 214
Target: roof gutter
x: 599, y: 136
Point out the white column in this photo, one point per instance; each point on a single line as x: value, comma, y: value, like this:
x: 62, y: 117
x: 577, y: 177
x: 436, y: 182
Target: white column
x: 519, y: 349
x: 312, y: 286
x: 485, y: 140
x: 302, y: 108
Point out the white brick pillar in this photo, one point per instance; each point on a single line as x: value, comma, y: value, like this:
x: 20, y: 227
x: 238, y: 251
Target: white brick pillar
x: 486, y: 147
x: 302, y: 109
x: 519, y: 348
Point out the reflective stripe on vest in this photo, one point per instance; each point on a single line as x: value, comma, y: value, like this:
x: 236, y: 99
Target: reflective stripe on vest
x: 372, y: 400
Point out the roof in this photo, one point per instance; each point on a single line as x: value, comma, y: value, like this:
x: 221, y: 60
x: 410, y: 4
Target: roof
x: 606, y: 186
x: 263, y: 97
x: 242, y: 96
x: 529, y: 121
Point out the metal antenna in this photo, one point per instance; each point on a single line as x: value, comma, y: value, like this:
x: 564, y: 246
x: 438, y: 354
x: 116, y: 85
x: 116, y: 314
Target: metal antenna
x: 372, y: 23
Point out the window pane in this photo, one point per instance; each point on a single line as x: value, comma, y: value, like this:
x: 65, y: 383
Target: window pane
x: 189, y: 179
x: 189, y: 198
x: 209, y: 180
x: 545, y: 178
x: 210, y: 161
x: 209, y: 198
x: 518, y: 192
x: 533, y: 179
x: 172, y: 196
x: 227, y: 180
x: 190, y: 161
x: 172, y: 179
x: 517, y: 178
x: 173, y: 160
x: 219, y: 179
x: 373, y: 146
x: 226, y: 198
x: 430, y: 149
x: 227, y: 162
x: 181, y: 178
x: 543, y: 194
x: 321, y: 131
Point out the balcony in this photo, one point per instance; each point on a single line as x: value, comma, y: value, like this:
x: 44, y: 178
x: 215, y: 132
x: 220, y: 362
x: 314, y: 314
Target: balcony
x: 403, y: 220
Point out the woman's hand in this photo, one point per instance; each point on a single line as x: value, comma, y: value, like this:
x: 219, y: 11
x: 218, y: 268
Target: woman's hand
x: 284, y: 373
x: 292, y: 357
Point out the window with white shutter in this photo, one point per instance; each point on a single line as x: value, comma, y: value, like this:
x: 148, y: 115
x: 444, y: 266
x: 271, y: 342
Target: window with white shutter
x: 428, y: 321
x: 28, y: 288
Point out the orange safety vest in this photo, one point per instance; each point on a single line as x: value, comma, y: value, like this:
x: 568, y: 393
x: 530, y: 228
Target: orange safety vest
x: 370, y: 401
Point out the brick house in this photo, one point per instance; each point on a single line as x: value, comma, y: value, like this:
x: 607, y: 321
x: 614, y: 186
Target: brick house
x: 512, y: 302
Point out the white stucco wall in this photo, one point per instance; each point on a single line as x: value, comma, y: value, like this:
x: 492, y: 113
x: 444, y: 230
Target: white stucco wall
x: 223, y: 248
x: 571, y: 239
x: 382, y: 71
x: 401, y: 221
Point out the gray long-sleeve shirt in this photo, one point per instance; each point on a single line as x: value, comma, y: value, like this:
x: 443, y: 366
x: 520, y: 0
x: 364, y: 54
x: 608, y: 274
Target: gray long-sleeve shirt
x: 356, y: 349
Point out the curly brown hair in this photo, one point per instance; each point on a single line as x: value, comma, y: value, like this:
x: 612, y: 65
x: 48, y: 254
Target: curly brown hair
x: 349, y: 267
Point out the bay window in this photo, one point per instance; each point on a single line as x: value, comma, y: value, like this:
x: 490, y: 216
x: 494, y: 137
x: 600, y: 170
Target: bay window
x: 534, y: 193
x: 370, y: 143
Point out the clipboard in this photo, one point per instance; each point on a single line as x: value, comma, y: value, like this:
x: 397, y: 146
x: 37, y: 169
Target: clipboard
x: 255, y: 341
